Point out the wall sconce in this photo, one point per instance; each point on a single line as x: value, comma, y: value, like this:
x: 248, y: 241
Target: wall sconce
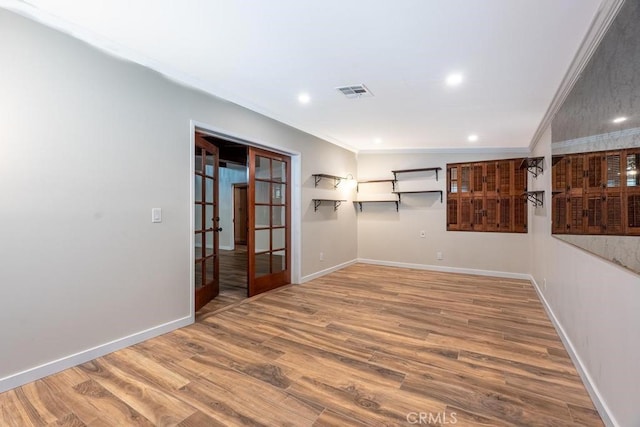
x: 350, y: 182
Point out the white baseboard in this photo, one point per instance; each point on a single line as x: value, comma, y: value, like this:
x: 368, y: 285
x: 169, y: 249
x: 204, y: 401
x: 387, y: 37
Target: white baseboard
x: 227, y: 248
x: 327, y: 271
x: 444, y: 269
x: 49, y: 368
x: 594, y: 393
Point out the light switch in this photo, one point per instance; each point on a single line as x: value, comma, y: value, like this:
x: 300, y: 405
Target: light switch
x: 156, y: 214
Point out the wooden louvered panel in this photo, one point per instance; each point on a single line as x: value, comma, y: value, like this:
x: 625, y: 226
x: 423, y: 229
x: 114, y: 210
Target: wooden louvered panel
x: 465, y: 214
x: 452, y: 179
x: 491, y: 209
x: 633, y: 211
x: 452, y: 213
x: 559, y: 214
x: 519, y: 214
x: 504, y: 177
x: 613, y: 211
x: 633, y: 170
x: 594, y: 171
x: 478, y: 214
x: 465, y: 179
x: 504, y: 220
x: 519, y: 182
x: 576, y: 215
x: 487, y: 196
x: 491, y: 183
x: 594, y: 214
x: 613, y: 170
x: 576, y: 166
x: 559, y: 175
x: 478, y: 178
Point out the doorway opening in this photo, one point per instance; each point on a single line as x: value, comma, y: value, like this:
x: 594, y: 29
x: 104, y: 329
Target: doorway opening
x: 251, y: 226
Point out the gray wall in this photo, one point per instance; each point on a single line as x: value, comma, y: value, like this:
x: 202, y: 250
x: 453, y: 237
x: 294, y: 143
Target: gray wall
x: 384, y: 234
x: 89, y: 144
x: 597, y: 304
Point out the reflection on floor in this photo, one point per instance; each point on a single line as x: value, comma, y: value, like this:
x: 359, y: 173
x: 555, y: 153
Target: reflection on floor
x: 233, y: 281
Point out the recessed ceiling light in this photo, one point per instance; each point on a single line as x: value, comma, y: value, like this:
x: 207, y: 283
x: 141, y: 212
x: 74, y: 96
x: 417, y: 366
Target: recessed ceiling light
x: 454, y: 79
x: 377, y: 141
x: 472, y: 138
x: 304, y: 98
x: 619, y: 119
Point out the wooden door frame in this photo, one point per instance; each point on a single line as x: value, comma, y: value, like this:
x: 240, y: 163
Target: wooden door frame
x: 296, y: 198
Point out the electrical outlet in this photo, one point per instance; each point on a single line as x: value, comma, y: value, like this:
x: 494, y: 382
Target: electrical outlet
x: 439, y: 255
x: 321, y: 256
x: 423, y: 234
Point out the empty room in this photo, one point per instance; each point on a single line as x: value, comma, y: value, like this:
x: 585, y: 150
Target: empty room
x: 337, y: 213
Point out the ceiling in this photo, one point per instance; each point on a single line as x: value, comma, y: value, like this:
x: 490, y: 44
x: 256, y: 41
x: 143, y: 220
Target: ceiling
x: 512, y: 55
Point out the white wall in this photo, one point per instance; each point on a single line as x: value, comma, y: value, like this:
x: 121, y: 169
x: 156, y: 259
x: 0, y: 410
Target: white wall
x: 387, y: 235
x: 88, y: 145
x: 597, y: 304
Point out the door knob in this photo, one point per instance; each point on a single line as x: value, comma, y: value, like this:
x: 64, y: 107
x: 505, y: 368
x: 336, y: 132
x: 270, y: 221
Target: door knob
x: 217, y: 229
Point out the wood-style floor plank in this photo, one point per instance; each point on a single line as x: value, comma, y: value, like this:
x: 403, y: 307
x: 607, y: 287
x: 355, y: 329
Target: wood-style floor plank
x: 363, y: 346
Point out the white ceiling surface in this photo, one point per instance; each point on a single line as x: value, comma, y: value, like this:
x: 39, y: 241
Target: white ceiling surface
x: 262, y: 54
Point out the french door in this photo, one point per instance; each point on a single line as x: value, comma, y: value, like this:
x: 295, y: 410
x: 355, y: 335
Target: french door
x: 206, y: 220
x: 269, y: 213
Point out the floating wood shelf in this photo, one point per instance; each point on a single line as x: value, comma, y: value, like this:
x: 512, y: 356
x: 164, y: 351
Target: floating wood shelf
x: 360, y: 202
x: 399, y: 193
x: 373, y: 181
x: 396, y: 172
x: 318, y: 202
x: 336, y: 179
x: 535, y: 197
x: 533, y: 165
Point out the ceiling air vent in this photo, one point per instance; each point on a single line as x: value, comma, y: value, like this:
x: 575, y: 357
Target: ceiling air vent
x: 355, y: 91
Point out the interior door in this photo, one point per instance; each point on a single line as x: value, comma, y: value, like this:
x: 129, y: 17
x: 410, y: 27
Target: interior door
x: 269, y: 213
x: 240, y: 214
x: 206, y: 219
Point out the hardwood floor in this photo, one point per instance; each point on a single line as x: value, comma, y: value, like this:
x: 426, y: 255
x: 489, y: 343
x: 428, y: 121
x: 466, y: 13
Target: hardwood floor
x: 366, y: 345
x: 233, y: 281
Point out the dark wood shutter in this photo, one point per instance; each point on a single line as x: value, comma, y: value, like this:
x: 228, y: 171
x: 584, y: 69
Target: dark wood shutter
x: 452, y: 213
x: 478, y: 214
x: 559, y: 214
x: 519, y: 214
x: 576, y: 215
x: 613, y: 212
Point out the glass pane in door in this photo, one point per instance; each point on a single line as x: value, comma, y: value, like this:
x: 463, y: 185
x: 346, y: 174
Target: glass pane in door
x: 279, y: 194
x: 198, y: 274
x: 210, y: 159
x: 278, y: 171
x: 278, y: 261
x: 262, y: 192
x: 209, y: 269
x: 277, y: 238
x: 208, y: 194
x: 263, y: 167
x: 262, y: 240
x: 208, y: 217
x: 209, y: 243
x: 278, y: 216
x: 197, y: 188
x: 262, y: 216
x: 262, y: 264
